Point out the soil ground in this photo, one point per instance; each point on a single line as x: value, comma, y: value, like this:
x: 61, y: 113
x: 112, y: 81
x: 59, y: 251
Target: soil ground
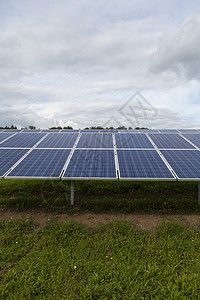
x: 143, y: 221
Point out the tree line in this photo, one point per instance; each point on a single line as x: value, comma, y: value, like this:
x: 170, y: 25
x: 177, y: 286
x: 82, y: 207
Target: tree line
x: 31, y: 127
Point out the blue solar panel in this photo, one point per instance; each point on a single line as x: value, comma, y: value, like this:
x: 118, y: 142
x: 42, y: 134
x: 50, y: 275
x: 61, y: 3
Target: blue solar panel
x: 41, y: 163
x: 128, y: 140
x: 142, y: 164
x: 12, y: 130
x: 58, y: 140
x: 8, y: 157
x: 170, y: 141
x: 91, y: 164
x: 90, y: 130
x: 168, y: 131
x: 95, y: 140
x: 186, y: 163
x: 191, y: 131
x: 70, y: 130
x: 31, y: 130
x: 4, y: 136
x: 128, y: 131
x: 149, y: 131
x: 50, y: 130
x: 194, y: 138
x: 23, y: 140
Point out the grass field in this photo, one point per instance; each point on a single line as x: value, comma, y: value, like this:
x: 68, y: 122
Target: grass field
x: 113, y: 261
x: 116, y: 261
x: 97, y: 196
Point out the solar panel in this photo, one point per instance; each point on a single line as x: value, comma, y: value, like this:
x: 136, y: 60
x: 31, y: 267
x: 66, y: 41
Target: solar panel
x: 170, y: 141
x: 149, y: 131
x: 128, y: 131
x: 191, y: 131
x: 8, y: 157
x: 91, y: 164
x: 31, y: 130
x: 41, y: 163
x: 23, y: 140
x: 70, y: 130
x: 58, y: 140
x: 168, y: 131
x: 186, y: 163
x: 90, y: 130
x: 128, y: 140
x: 4, y: 135
x: 95, y: 140
x: 50, y: 130
x: 11, y: 130
x: 194, y: 138
x: 142, y: 164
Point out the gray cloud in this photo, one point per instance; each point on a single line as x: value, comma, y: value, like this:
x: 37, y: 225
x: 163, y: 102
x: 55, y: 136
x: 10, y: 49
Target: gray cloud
x: 75, y: 62
x: 180, y: 52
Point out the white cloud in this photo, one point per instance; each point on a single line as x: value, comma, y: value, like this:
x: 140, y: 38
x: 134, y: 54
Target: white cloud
x: 75, y: 62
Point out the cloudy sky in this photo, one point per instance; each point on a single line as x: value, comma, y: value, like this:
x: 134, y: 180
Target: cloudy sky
x: 106, y: 62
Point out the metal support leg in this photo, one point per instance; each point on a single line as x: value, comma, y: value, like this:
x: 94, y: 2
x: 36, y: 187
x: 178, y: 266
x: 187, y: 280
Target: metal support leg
x: 199, y: 192
x: 72, y: 192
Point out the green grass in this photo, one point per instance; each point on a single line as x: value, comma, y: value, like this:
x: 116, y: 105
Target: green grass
x: 114, y: 261
x: 100, y: 196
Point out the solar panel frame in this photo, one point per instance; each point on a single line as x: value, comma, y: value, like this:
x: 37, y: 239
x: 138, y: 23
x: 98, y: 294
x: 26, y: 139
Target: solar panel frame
x: 139, y: 164
x: 39, y: 161
x: 89, y: 170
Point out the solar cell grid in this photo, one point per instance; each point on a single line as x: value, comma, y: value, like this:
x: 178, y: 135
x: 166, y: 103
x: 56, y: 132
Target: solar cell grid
x: 8, y: 157
x: 58, y: 140
x: 89, y: 164
x: 128, y: 140
x: 95, y: 140
x: 5, y: 135
x: 194, y: 138
x: 41, y: 163
x: 142, y: 164
x: 168, y: 131
x: 191, y: 131
x: 23, y: 140
x: 12, y: 130
x: 170, y: 141
x: 50, y: 130
x: 186, y: 163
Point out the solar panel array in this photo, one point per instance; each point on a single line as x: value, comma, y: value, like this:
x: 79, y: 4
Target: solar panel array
x: 164, y: 154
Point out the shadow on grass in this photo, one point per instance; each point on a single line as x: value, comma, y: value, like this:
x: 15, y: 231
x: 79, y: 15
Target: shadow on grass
x: 100, y: 196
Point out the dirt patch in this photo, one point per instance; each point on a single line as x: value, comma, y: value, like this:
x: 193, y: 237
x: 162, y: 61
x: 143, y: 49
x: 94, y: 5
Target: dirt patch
x: 143, y: 221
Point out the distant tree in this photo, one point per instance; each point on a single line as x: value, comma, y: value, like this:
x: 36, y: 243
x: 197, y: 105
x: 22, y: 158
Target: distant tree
x: 141, y: 128
x: 31, y: 127
x: 121, y: 128
x: 67, y: 127
x: 130, y: 128
x: 58, y: 127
